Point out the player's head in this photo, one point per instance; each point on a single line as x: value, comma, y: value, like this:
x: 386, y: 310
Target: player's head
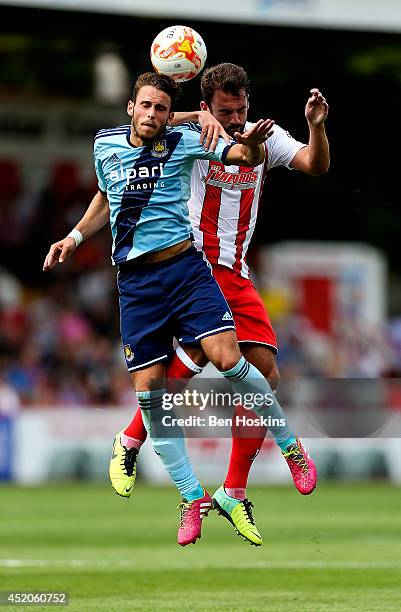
x: 225, y: 91
x: 152, y: 104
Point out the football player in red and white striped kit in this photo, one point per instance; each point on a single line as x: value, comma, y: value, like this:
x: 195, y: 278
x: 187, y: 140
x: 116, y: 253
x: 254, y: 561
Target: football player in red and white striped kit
x: 223, y: 210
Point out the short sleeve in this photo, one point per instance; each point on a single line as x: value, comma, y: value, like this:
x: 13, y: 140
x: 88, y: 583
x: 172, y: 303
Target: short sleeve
x: 193, y: 148
x: 101, y: 181
x: 282, y: 148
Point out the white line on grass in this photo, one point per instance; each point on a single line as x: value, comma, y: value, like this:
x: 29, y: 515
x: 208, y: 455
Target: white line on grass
x: 290, y: 564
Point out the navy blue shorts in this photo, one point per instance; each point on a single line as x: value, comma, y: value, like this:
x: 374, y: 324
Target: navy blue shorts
x: 178, y: 297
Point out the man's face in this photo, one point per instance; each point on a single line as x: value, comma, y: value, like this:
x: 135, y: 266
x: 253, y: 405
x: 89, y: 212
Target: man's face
x: 150, y: 112
x: 230, y: 110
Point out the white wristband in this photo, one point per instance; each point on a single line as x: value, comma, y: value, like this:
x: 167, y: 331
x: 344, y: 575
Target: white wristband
x: 76, y: 234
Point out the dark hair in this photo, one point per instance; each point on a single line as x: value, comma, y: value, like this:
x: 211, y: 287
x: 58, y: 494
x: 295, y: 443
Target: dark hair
x: 160, y: 81
x: 230, y: 78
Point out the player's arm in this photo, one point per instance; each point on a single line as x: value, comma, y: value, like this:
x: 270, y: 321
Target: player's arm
x: 250, y: 150
x: 96, y: 216
x: 314, y: 159
x: 212, y: 129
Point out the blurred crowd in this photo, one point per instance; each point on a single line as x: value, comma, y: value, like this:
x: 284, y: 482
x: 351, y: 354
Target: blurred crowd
x: 59, y: 331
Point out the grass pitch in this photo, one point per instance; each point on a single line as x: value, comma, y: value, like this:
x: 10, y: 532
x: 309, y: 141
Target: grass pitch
x: 338, y: 550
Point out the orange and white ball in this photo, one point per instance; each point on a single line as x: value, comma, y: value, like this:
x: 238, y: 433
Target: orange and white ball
x: 179, y: 52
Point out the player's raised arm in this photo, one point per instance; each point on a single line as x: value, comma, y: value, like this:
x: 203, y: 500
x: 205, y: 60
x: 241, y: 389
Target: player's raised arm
x: 250, y: 150
x: 314, y: 159
x: 96, y: 216
x: 212, y: 129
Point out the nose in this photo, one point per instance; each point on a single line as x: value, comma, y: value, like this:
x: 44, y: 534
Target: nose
x: 235, y: 118
x: 151, y: 112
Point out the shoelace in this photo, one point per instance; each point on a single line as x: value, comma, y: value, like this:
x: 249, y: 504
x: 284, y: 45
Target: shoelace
x: 129, y: 460
x: 297, y: 456
x: 183, y: 507
x: 248, y: 505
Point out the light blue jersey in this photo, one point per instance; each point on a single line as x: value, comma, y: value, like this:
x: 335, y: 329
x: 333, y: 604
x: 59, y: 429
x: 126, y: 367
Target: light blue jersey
x: 148, y: 187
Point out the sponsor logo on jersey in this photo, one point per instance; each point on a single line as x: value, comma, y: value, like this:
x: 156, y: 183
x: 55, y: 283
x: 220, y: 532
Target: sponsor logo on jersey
x: 131, y: 176
x: 128, y: 352
x: 231, y: 180
x: 159, y: 148
x: 155, y: 171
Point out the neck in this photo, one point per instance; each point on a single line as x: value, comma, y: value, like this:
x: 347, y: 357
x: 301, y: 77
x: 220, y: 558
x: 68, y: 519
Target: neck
x: 136, y: 140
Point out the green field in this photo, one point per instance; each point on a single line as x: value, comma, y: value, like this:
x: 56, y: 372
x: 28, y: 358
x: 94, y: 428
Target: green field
x: 339, y: 549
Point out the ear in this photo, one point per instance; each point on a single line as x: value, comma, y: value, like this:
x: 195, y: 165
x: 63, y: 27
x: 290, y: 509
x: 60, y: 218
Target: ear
x: 204, y: 106
x: 130, y: 108
x: 170, y: 117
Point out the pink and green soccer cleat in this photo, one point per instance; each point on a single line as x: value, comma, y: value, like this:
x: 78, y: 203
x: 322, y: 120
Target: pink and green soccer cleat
x: 302, y: 468
x: 192, y: 514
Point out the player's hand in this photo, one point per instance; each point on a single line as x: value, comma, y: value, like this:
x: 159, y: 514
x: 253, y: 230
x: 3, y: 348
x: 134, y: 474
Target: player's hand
x: 257, y: 134
x: 211, y: 131
x: 59, y: 251
x: 316, y: 109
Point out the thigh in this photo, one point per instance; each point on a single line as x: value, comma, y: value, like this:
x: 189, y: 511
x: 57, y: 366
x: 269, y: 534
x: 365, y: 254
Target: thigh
x: 144, y: 319
x: 197, y: 304
x: 150, y: 378
x: 251, y: 319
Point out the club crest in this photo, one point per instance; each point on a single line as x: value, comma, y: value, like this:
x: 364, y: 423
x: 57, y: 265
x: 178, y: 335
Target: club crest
x: 128, y: 353
x: 159, y: 148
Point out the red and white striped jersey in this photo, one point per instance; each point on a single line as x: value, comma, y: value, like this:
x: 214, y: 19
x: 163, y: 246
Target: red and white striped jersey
x: 224, y: 201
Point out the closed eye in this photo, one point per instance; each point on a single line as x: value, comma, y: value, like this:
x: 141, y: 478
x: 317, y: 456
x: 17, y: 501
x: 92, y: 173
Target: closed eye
x: 226, y: 112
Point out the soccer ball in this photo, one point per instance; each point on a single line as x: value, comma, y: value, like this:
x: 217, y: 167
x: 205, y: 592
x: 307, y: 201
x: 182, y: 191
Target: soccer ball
x: 179, y: 52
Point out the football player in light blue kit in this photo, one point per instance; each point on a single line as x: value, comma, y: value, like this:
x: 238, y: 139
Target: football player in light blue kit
x: 148, y: 187
x: 166, y: 288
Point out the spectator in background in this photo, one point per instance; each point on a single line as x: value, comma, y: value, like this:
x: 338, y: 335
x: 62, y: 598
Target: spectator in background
x: 9, y: 400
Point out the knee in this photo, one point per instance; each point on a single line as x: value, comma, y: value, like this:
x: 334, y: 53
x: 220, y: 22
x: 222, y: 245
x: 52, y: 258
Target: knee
x: 226, y: 362
x: 222, y: 350
x: 225, y: 357
x: 273, y: 377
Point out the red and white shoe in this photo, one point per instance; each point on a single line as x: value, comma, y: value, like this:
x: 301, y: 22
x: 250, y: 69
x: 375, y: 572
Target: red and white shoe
x: 192, y: 514
x: 302, y: 468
